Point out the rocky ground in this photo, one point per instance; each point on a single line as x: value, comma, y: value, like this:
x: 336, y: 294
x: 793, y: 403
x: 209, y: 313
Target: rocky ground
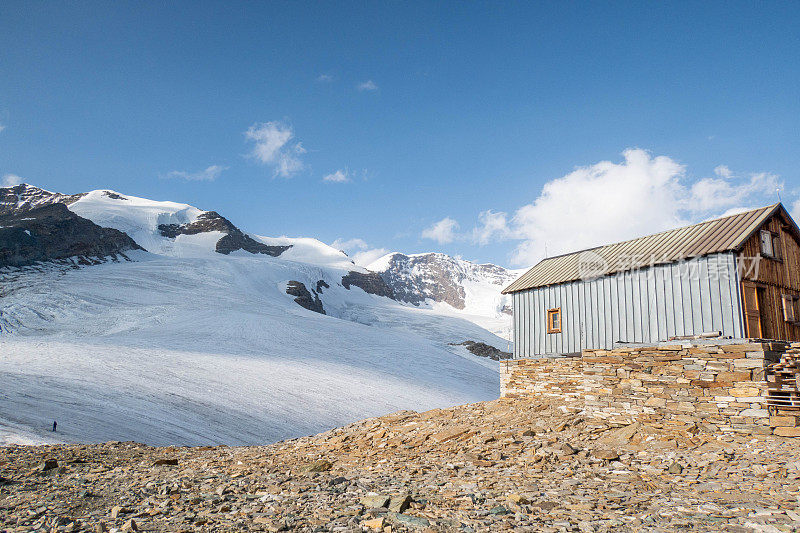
x: 502, y: 465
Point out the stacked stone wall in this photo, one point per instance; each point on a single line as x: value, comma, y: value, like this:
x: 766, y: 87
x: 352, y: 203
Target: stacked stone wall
x: 720, y: 387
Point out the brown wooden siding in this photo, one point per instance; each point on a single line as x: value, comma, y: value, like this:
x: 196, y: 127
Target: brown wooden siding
x: 774, y: 278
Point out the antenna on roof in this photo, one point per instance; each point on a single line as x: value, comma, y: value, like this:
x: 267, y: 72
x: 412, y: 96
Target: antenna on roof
x: 545, y: 250
x: 778, y: 192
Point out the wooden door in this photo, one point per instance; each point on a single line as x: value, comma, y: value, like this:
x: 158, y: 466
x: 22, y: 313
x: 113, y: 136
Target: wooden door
x: 752, y: 313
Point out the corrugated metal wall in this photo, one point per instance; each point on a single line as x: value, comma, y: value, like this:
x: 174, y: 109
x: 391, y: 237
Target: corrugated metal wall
x: 647, y: 305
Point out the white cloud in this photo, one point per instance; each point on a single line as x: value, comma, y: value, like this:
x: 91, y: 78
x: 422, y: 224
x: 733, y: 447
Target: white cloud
x: 209, y: 174
x: 359, y: 251
x: 11, y: 180
x: 368, y: 85
x: 723, y: 171
x: 728, y: 191
x: 340, y: 176
x: 443, y: 232
x: 274, y: 147
x: 325, y: 78
x: 609, y: 202
x: 492, y: 226
x: 2, y: 127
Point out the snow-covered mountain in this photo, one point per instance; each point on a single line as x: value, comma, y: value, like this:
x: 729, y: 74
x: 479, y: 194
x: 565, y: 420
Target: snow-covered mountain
x: 188, y: 330
x: 451, y: 285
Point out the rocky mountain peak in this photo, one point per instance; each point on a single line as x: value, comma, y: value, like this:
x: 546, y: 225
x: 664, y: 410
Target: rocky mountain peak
x: 23, y: 197
x: 439, y: 277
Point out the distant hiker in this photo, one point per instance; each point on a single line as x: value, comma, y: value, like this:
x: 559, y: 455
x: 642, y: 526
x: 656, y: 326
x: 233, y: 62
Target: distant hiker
x: 55, y: 424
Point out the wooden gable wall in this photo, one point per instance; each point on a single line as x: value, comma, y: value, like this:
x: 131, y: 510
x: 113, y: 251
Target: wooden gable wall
x: 765, y: 287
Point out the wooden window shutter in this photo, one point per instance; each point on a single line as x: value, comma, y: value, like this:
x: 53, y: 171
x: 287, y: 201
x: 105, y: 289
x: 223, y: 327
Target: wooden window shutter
x: 766, y: 242
x: 788, y: 308
x: 752, y: 315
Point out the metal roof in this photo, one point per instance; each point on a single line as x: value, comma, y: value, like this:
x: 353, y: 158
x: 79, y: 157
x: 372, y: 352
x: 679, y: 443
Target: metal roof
x: 713, y: 236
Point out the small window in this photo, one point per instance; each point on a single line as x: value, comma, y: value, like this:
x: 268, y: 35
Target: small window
x: 776, y: 246
x: 766, y: 243
x: 791, y: 308
x: 554, y: 320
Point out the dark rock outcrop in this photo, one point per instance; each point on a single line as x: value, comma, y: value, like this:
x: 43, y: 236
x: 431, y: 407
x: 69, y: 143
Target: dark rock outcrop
x: 303, y: 296
x: 24, y: 197
x: 481, y: 349
x: 370, y: 282
x: 54, y: 232
x: 235, y: 239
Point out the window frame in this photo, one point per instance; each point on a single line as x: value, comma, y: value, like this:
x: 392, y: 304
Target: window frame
x: 764, y: 237
x: 777, y: 252
x: 793, y: 303
x: 775, y: 244
x: 549, y: 317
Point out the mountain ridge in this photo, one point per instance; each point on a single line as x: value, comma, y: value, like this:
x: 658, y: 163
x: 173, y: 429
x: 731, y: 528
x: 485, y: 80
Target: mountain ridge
x: 163, y: 226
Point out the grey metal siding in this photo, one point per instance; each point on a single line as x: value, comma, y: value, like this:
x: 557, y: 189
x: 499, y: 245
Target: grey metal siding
x: 648, y: 305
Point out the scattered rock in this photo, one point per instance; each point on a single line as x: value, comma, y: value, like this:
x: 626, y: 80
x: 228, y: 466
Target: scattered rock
x: 375, y: 500
x: 319, y: 466
x: 165, y: 462
x: 517, y: 498
x: 409, y: 520
x: 47, y: 464
x: 461, y: 469
x: 675, y: 468
x: 398, y: 504
x: 566, y: 449
x: 605, y: 454
x: 376, y: 523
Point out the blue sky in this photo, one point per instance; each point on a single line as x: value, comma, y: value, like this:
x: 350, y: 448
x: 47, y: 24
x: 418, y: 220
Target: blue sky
x: 477, y: 129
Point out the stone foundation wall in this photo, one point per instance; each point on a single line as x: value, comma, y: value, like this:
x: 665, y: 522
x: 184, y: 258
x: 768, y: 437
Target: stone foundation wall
x: 717, y: 387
